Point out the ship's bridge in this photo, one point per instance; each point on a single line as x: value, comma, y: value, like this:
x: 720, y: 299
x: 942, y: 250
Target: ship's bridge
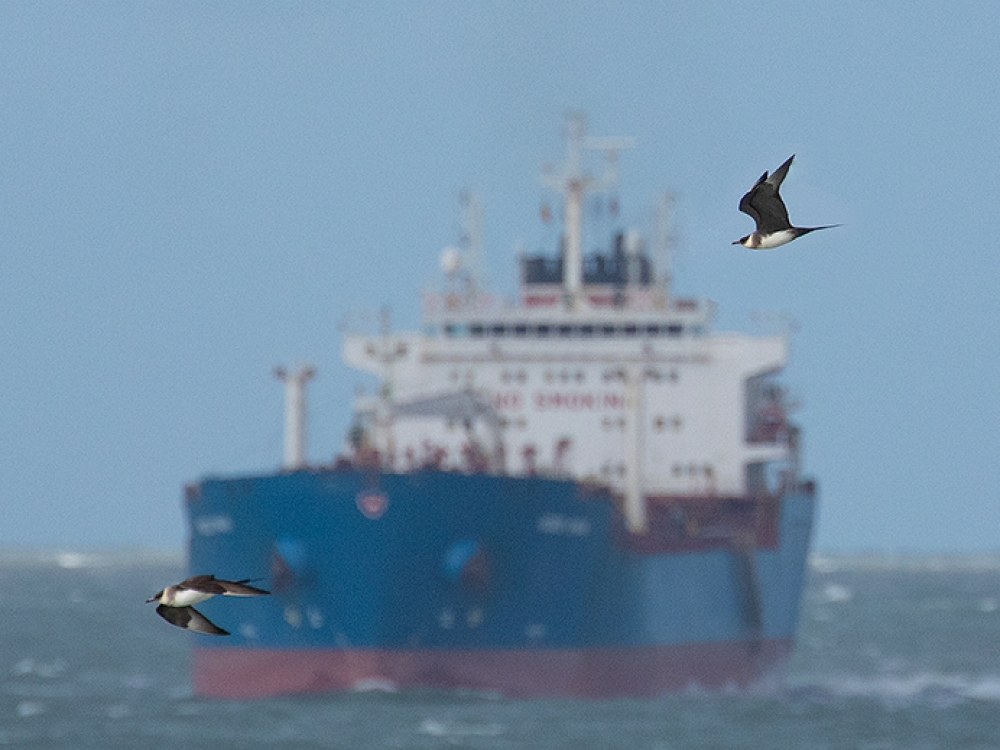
x: 619, y: 299
x: 676, y: 318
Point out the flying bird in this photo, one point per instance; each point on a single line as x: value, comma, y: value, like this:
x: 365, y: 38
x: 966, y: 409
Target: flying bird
x: 176, y: 602
x: 764, y: 205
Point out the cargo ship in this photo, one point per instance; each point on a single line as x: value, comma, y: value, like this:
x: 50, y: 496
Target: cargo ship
x: 585, y: 491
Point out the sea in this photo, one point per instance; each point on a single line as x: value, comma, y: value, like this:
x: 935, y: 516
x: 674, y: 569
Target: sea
x: 894, y: 652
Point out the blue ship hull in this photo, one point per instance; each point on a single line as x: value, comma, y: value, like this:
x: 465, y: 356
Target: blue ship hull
x: 528, y: 586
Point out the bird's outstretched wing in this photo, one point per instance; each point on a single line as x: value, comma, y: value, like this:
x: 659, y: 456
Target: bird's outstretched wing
x: 746, y: 205
x: 190, y: 619
x: 778, y: 175
x: 763, y: 201
x: 240, y: 588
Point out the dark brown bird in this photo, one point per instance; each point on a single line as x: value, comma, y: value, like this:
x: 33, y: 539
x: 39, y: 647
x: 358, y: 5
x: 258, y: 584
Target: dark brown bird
x: 764, y: 205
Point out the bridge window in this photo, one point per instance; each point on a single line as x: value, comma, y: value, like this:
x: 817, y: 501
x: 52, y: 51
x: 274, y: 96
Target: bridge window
x: 566, y: 330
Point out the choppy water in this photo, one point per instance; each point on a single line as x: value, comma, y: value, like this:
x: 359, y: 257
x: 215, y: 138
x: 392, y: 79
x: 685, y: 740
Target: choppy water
x: 892, y: 653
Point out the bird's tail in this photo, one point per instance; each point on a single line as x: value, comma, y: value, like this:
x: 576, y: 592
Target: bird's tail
x: 807, y: 230
x: 241, y: 588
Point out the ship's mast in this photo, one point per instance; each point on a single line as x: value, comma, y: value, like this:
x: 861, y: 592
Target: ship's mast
x: 462, y: 264
x: 295, y: 414
x: 635, y: 408
x: 388, y: 352
x: 663, y: 241
x: 574, y: 183
x: 470, y: 240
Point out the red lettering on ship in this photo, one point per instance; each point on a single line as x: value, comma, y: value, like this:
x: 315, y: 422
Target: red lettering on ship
x: 509, y: 400
x: 577, y: 400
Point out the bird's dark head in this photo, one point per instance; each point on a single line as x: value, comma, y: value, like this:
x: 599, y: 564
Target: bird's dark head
x: 752, y: 240
x: 155, y: 597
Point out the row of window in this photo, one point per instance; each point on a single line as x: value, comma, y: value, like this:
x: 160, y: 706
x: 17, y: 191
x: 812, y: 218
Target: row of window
x: 566, y: 330
x: 565, y: 376
x: 677, y: 470
x: 660, y: 423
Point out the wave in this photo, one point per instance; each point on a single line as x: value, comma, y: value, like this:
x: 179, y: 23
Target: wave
x: 893, y: 561
x: 97, y: 558
x: 925, y: 688
x: 458, y: 729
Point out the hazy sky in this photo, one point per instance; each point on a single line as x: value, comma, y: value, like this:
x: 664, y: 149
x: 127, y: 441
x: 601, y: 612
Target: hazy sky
x: 192, y: 193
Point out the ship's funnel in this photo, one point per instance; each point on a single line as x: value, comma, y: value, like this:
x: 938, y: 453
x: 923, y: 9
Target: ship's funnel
x: 295, y: 414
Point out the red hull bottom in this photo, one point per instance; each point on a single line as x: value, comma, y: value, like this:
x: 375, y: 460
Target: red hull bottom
x: 585, y: 673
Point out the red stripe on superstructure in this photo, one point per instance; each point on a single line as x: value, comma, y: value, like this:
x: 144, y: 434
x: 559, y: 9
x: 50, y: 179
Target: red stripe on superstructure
x: 585, y: 673
x: 540, y: 300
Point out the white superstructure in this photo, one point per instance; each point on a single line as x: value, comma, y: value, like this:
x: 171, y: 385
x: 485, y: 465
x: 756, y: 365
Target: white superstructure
x: 596, y: 372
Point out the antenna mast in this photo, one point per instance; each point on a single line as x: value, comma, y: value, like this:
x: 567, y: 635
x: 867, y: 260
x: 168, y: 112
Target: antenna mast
x: 663, y: 241
x: 471, y: 239
x: 574, y: 183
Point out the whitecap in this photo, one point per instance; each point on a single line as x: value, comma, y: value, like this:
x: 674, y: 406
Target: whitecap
x: 23, y: 667
x: 837, y: 593
x: 436, y: 728
x: 46, y: 670
x: 433, y: 727
x: 375, y: 685
x: 26, y: 709
x: 51, y: 669
x: 137, y: 682
x: 927, y: 688
x: 118, y: 711
x: 70, y: 560
x: 823, y: 564
x: 986, y: 688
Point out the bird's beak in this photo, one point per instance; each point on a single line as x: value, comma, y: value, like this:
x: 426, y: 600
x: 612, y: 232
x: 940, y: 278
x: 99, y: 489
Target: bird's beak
x: 737, y: 242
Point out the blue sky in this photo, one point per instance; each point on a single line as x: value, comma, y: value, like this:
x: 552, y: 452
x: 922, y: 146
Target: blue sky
x: 192, y: 193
